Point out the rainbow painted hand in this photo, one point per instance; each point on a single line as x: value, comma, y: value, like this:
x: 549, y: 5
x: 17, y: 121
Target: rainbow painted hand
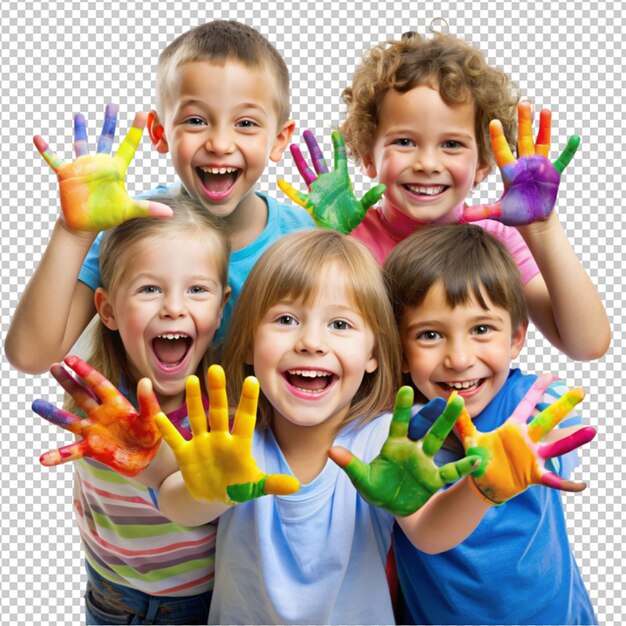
x: 217, y: 465
x: 531, y: 182
x: 330, y: 201
x: 512, y: 457
x: 113, y: 432
x: 404, y: 475
x: 93, y: 196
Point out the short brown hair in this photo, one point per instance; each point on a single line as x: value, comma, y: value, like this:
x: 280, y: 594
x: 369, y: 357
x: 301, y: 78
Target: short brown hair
x: 220, y: 41
x: 458, y: 70
x: 291, y: 268
x: 465, y: 259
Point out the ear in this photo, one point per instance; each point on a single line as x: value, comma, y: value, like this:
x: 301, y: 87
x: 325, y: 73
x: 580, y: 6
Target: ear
x: 282, y: 140
x: 157, y: 133
x: 249, y: 360
x: 517, y: 339
x: 406, y: 368
x: 481, y: 173
x: 225, y: 296
x: 372, y: 365
x: 105, y: 309
x: 369, y: 166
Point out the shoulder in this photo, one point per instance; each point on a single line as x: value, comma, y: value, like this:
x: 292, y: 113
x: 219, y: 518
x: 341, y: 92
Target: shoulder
x: 286, y: 217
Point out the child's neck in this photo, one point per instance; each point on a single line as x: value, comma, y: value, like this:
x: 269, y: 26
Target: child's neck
x: 246, y: 223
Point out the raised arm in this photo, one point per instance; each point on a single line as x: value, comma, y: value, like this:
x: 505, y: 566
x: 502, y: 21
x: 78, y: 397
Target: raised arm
x: 217, y: 469
x: 55, y: 307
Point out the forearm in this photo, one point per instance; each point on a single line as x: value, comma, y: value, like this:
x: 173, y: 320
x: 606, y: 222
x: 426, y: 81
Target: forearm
x: 568, y: 301
x: 446, y: 520
x: 54, y: 308
x: 178, y: 505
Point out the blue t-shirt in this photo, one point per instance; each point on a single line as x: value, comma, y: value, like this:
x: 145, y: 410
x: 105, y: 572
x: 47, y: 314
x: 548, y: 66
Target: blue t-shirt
x: 517, y: 567
x: 281, y: 220
x: 314, y: 557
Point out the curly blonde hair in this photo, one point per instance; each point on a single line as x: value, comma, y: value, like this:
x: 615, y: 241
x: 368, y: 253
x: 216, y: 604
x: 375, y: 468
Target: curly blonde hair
x: 458, y: 70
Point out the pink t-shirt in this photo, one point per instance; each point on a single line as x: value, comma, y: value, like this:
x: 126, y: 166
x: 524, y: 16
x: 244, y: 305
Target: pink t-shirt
x: 381, y: 236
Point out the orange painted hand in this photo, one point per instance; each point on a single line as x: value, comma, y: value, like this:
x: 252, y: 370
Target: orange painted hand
x: 217, y: 465
x: 92, y: 191
x: 113, y: 432
x: 513, y: 457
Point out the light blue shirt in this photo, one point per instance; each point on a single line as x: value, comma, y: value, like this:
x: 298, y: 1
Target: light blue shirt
x: 315, y: 557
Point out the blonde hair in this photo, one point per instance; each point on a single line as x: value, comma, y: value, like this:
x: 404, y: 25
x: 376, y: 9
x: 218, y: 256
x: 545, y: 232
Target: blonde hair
x: 218, y: 42
x: 108, y: 355
x: 291, y: 269
x: 457, y: 69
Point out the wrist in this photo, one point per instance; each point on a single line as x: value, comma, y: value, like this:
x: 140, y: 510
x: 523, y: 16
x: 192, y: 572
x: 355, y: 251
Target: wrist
x: 83, y: 235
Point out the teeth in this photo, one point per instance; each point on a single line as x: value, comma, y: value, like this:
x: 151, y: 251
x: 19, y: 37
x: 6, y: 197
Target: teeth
x: 308, y: 373
x: 173, y: 336
x: 428, y: 191
x: 463, y: 385
x: 219, y: 170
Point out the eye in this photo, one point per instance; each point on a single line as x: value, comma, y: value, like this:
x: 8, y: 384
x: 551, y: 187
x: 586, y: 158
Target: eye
x: 149, y: 289
x: 194, y: 121
x: 246, y: 124
x: 452, y: 144
x: 197, y: 289
x: 429, y: 335
x: 403, y: 142
x: 482, y: 329
x: 286, y: 320
x: 340, y: 325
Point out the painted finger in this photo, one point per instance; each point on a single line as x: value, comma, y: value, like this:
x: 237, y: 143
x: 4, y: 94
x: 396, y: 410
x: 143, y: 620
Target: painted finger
x: 148, y: 208
x: 218, y: 401
x: 372, y: 197
x: 317, y: 158
x: 501, y: 149
x: 71, y: 452
x: 465, y: 429
x: 482, y: 212
x: 542, y: 145
x: 437, y: 433
x: 525, y: 145
x: 556, y: 482
x: 308, y: 175
x: 568, y: 154
x: 429, y: 412
x: 49, y: 157
x: 245, y: 417
x: 339, y: 149
x: 567, y: 444
x: 58, y: 417
x: 281, y: 484
x: 293, y: 194
x: 128, y: 147
x: 399, y: 426
x: 453, y: 471
x: 85, y: 399
x: 545, y: 421
x: 105, y: 141
x: 195, y: 407
x: 357, y: 470
x: 169, y: 433
x: 528, y: 403
x: 100, y: 386
x: 80, y: 136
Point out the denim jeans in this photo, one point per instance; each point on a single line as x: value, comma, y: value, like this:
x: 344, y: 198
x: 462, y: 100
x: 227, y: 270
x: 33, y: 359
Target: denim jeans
x: 108, y: 603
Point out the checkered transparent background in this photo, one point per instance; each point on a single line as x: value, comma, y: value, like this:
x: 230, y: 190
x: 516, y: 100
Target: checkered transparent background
x: 60, y: 58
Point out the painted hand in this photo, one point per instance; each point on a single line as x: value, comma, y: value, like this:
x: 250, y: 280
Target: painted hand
x: 93, y: 196
x: 113, y: 432
x: 404, y: 475
x: 330, y: 201
x: 512, y: 457
x: 531, y: 182
x: 217, y: 465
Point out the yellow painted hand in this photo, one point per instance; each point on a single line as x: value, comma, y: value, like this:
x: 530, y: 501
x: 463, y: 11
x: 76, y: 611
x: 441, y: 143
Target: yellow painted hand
x: 216, y: 464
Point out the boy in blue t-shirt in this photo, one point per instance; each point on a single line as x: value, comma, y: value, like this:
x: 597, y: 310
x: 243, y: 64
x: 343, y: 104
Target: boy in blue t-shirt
x: 459, y: 304
x: 222, y: 110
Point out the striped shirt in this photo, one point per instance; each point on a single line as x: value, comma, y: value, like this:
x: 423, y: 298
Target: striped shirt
x: 129, y: 542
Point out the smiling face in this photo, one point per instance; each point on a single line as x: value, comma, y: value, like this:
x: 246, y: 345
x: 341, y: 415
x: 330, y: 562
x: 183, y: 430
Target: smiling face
x: 467, y: 348
x: 220, y: 125
x: 311, y: 356
x: 425, y: 152
x: 166, y: 307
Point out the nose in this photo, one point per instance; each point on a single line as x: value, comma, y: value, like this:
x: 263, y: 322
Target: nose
x: 219, y: 140
x: 459, y: 355
x: 427, y: 160
x: 311, y: 340
x: 173, y: 306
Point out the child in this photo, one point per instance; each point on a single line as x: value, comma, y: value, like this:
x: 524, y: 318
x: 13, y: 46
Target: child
x: 459, y: 304
x: 315, y: 326
x: 162, y: 296
x: 418, y: 120
x: 222, y: 110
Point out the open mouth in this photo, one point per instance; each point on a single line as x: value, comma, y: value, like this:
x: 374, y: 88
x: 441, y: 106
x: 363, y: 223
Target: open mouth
x: 310, y: 381
x: 218, y: 181
x: 465, y: 386
x: 170, y: 349
x: 426, y: 191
